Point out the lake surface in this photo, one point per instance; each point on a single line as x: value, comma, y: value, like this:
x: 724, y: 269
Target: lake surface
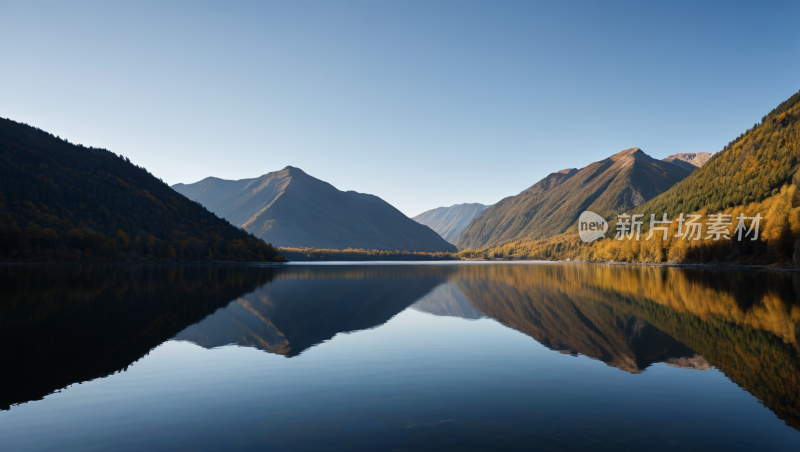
x: 453, y: 356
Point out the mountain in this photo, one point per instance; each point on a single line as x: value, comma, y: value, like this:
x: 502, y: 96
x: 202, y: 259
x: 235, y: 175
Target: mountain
x: 450, y: 222
x: 689, y: 161
x: 289, y: 208
x: 619, y: 183
x: 756, y: 175
x: 69, y: 203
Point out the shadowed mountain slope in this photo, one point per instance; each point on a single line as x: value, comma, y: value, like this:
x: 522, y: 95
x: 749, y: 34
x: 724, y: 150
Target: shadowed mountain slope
x: 619, y: 183
x: 689, y: 161
x: 289, y: 208
x: 450, y: 222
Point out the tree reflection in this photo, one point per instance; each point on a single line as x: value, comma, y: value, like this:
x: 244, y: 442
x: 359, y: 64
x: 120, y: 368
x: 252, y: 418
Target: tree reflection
x: 66, y: 324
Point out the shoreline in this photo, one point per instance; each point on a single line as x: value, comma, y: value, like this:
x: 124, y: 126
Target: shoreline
x: 144, y: 263
x: 655, y: 264
x: 278, y: 263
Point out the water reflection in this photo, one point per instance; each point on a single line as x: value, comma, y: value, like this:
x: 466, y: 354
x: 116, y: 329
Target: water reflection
x: 447, y: 300
x: 302, y: 307
x: 743, y: 323
x: 65, y: 324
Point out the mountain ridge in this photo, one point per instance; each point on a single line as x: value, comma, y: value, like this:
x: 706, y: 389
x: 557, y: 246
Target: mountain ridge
x: 293, y: 209
x: 551, y: 206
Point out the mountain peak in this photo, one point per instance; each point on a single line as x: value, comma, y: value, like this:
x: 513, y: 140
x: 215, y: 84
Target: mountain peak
x: 634, y: 153
x: 293, y: 170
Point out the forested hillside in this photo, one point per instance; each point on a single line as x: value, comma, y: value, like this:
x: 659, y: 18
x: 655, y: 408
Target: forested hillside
x: 65, y: 202
x: 748, y: 169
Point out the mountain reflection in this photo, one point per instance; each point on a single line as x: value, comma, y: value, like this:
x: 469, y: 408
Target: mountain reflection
x: 447, y: 300
x: 744, y: 323
x: 305, y: 306
x: 65, y: 324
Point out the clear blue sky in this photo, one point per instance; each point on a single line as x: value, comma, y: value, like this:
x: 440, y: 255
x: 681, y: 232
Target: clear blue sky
x: 423, y: 103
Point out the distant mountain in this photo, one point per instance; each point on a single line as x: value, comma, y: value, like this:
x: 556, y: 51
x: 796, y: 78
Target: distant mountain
x: 451, y: 221
x: 289, y: 208
x: 689, y: 161
x: 619, y: 183
x: 69, y: 203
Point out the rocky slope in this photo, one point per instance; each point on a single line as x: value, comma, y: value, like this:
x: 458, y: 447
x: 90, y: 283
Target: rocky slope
x: 618, y: 183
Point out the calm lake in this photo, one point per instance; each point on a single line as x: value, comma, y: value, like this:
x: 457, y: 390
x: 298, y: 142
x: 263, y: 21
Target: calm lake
x: 398, y: 356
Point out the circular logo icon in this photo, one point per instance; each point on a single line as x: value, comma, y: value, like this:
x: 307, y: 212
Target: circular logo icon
x: 591, y: 226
